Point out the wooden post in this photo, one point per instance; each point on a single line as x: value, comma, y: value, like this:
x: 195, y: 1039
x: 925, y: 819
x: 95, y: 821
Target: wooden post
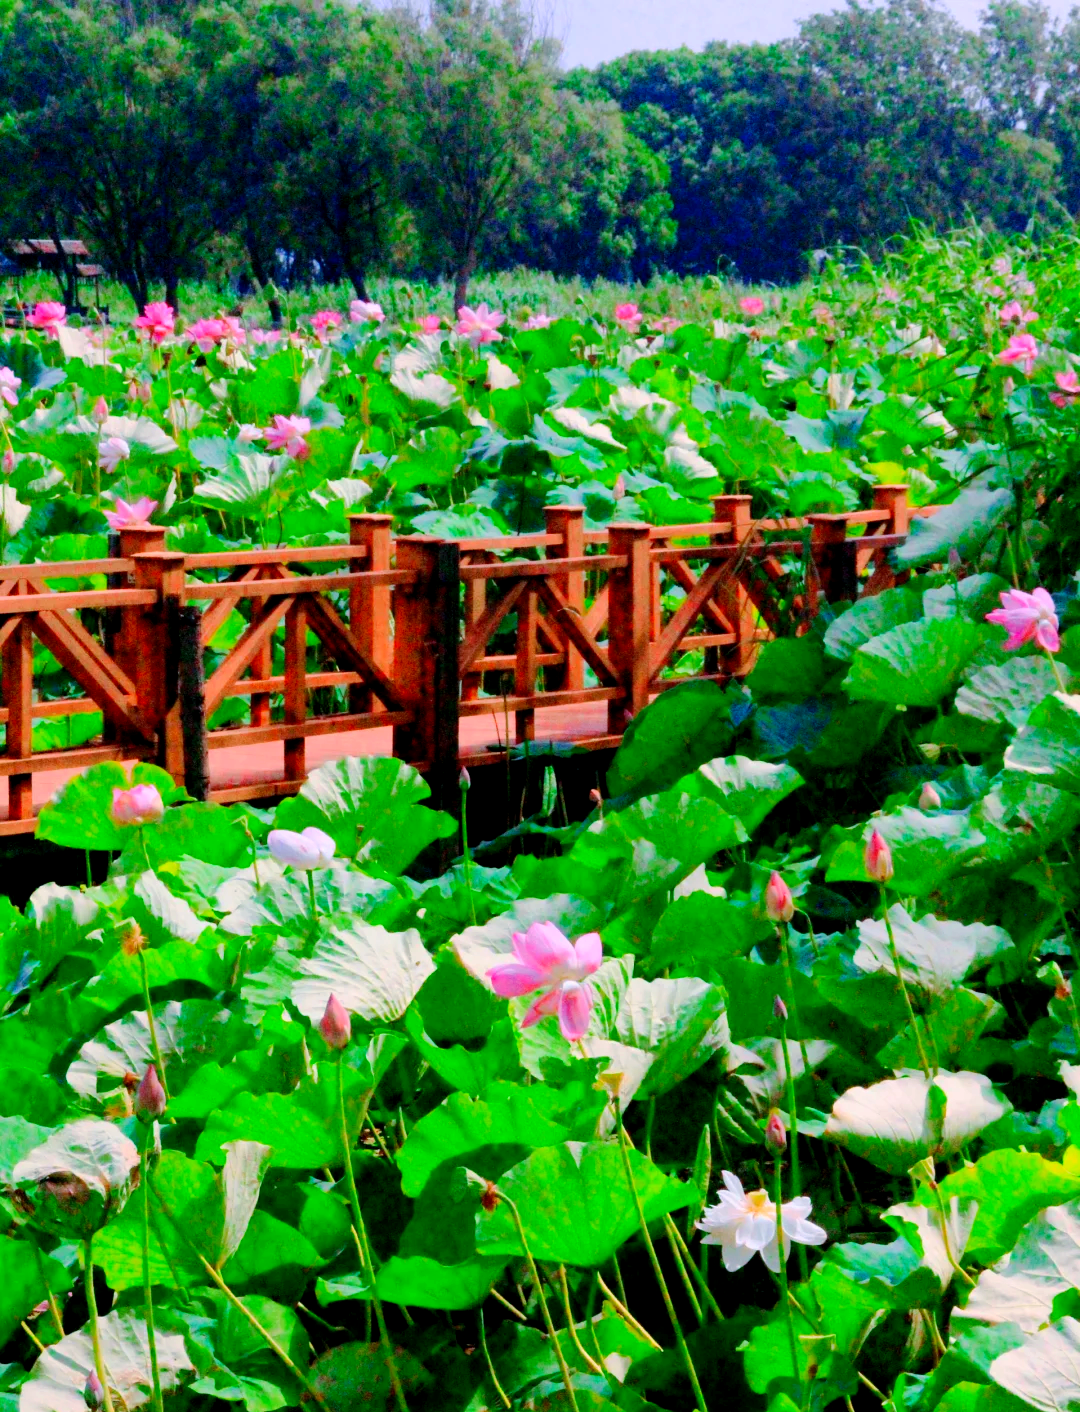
x: 735, y: 602
x: 568, y: 522
x: 628, y: 622
x: 134, y: 539
x: 525, y: 664
x: 295, y: 687
x: 834, y: 557
x: 370, y: 608
x: 894, y: 499
x: 427, y: 629
x: 192, y: 700
x: 18, y: 694
x: 262, y: 666
x: 157, y: 661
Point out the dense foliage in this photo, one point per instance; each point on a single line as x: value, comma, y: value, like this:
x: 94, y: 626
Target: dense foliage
x: 273, y: 143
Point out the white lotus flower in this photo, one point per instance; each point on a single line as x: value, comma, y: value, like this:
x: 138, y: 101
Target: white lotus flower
x: 744, y: 1225
x: 307, y: 850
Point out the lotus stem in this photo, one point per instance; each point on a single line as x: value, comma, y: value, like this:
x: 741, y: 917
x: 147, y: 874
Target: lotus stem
x: 793, y: 1133
x: 571, y: 1327
x: 699, y: 1275
x: 155, y: 1048
x: 314, y: 911
x: 903, y: 985
x: 54, y: 1308
x: 785, y: 1293
x: 676, y: 1255
x: 564, y: 1367
x: 626, y: 1316
x: 148, y: 1297
x: 654, y: 1260
x: 92, y: 1315
x: 490, y: 1365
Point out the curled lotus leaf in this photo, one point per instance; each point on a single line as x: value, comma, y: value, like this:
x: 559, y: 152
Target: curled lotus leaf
x: 78, y: 1178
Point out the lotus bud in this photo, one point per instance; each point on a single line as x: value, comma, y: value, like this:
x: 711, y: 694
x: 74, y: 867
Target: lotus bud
x: 877, y: 858
x: 335, y: 1025
x: 775, y: 1134
x: 9, y: 461
x: 595, y: 797
x: 464, y: 780
x: 954, y: 560
x: 618, y: 490
x: 929, y: 797
x: 93, y: 1392
x: 779, y: 1009
x: 145, y: 392
x: 150, y: 1099
x: 142, y: 804
x: 100, y: 411
x: 779, y: 903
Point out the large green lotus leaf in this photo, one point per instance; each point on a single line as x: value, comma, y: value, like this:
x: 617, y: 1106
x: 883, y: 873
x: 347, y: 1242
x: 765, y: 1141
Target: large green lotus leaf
x: 821, y: 732
x: 747, y: 789
x: 1011, y: 1188
x: 790, y: 668
x: 978, y: 1397
x: 965, y: 526
x: 284, y: 900
x: 916, y: 664
x: 62, y: 918
x: 681, y: 1023
x: 273, y: 1258
x: 374, y: 973
x: 507, y: 1115
x: 699, y: 929
x: 894, y: 1272
x: 467, y: 1068
x: 79, y: 814
x: 678, y: 731
x: 356, y: 1375
x: 372, y: 807
x: 58, y: 1378
x: 1007, y: 694
x: 970, y: 598
x: 299, y: 1137
x: 1018, y: 818
x: 935, y: 953
x: 576, y: 1205
x: 23, y: 1277
x: 78, y: 1178
x: 210, y: 832
x: 1044, y: 1372
x: 868, y: 618
x: 897, y: 1122
x: 162, y: 915
x: 235, y: 1361
x: 939, y: 1239
x: 927, y: 847
x: 456, y: 1007
x: 1044, y: 1263
x: 120, y: 979
x: 952, y: 1021
x: 252, y: 486
x: 189, y: 1032
x: 18, y: 1138
x: 426, y: 1284
x: 1048, y: 746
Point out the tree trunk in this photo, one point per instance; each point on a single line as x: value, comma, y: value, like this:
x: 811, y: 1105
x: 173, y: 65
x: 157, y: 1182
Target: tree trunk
x: 358, y: 283
x: 461, y: 280
x: 172, y: 293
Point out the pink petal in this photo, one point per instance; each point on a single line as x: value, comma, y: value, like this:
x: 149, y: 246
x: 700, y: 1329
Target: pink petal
x: 509, y: 980
x: 543, y: 947
x: 575, y: 1010
x: 589, y: 950
x: 545, y: 1005
x: 1046, y: 635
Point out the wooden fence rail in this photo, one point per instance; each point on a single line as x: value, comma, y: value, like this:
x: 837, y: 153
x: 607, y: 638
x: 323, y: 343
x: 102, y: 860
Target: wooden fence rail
x: 412, y: 633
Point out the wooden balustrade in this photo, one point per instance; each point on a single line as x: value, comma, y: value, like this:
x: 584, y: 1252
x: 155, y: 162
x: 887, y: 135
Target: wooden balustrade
x: 412, y: 634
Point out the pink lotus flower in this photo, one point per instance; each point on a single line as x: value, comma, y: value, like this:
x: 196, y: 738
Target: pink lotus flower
x: 365, y: 311
x: 7, y: 462
x: 629, y: 318
x: 877, y: 858
x: 1021, y: 349
x: 48, y: 316
x: 538, y: 321
x: 752, y: 304
x: 890, y: 294
x: 1001, y: 265
x: 1068, y: 384
x: 111, y: 452
x: 259, y: 336
x: 335, y: 1025
x: 1028, y: 617
x: 287, y: 434
x: 206, y: 334
x: 125, y: 515
x: 430, y: 323
x: 324, y: 321
x: 234, y: 330
x: 1015, y: 313
x: 667, y: 323
x: 248, y: 432
x: 8, y: 384
x: 549, y: 961
x: 158, y: 320
x: 141, y: 804
x: 779, y: 903
x: 479, y: 325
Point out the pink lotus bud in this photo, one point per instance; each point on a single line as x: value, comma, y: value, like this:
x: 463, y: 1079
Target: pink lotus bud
x: 9, y: 461
x: 955, y: 560
x: 595, y: 796
x: 144, y: 392
x: 335, y: 1026
x: 93, y: 1392
x: 150, y: 1099
x: 779, y: 1009
x: 929, y: 797
x: 141, y: 804
x: 877, y: 858
x: 775, y: 1134
x: 779, y: 903
x: 618, y: 490
x: 100, y: 411
x: 464, y: 781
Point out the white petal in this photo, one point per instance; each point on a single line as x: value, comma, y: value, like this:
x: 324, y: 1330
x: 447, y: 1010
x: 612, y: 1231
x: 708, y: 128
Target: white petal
x: 798, y: 1207
x: 756, y: 1232
x: 733, y: 1185
x: 736, y: 1256
x: 806, y: 1233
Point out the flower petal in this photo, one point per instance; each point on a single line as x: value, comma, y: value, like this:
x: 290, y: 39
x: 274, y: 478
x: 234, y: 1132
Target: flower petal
x: 589, y: 950
x: 510, y: 979
x: 543, y: 947
x: 546, y: 1004
x: 575, y: 1010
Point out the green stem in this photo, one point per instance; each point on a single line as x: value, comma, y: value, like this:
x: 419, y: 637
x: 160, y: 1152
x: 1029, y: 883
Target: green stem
x: 564, y: 1367
x: 953, y: 1261
x: 624, y: 1313
x: 466, y: 856
x: 701, y: 1276
x: 654, y: 1259
x: 490, y: 1365
x: 145, y: 853
x: 314, y: 911
x: 571, y: 1326
x: 89, y: 871
x: 676, y: 1255
x: 50, y: 1298
x: 155, y: 1048
x: 92, y: 1313
x: 793, y: 1136
x: 903, y: 985
x: 782, y: 1261
x: 1057, y: 673
x: 148, y: 1298
x: 360, y: 1237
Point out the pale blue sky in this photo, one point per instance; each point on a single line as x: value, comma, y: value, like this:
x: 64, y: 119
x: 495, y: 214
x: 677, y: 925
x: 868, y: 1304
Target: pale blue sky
x: 595, y: 30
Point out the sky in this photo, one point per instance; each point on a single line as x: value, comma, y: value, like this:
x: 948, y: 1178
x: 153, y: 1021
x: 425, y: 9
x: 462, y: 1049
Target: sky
x: 595, y: 30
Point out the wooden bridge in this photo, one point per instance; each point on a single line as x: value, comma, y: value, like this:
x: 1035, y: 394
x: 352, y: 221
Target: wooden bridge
x: 442, y: 652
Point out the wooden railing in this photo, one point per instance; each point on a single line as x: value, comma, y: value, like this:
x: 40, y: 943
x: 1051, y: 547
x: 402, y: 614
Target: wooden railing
x: 413, y: 633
